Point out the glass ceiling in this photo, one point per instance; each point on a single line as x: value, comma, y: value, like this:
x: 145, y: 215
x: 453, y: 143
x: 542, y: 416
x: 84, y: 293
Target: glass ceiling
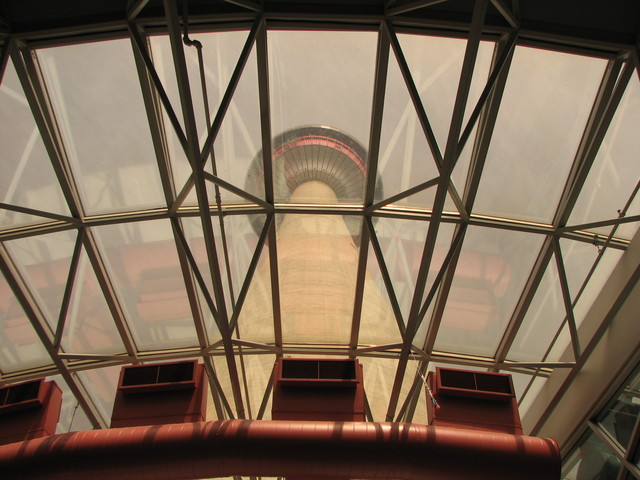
x: 395, y: 195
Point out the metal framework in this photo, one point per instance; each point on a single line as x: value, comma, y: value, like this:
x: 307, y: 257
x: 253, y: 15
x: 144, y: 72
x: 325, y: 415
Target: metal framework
x: 210, y: 289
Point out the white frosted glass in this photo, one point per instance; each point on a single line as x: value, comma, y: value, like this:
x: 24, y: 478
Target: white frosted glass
x: 96, y: 96
x: 615, y: 171
x: 72, y: 416
x: 145, y: 270
x: 542, y: 320
x: 20, y: 347
x: 544, y: 110
x: 318, y: 88
x: 493, y: 268
x: 102, y: 384
x: 27, y: 179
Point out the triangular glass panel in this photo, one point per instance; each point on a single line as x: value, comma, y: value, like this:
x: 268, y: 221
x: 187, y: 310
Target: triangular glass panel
x: 44, y: 263
x: 89, y: 325
x: 542, y: 322
x: 28, y: 179
x: 227, y: 197
x: 257, y: 369
x: 95, y: 89
x: 378, y: 325
x: 579, y: 259
x: 11, y: 219
x: 402, y: 142
x: 143, y: 264
x: 20, y: 346
x: 238, y: 154
x: 255, y: 322
x: 614, y: 173
x: 72, y: 416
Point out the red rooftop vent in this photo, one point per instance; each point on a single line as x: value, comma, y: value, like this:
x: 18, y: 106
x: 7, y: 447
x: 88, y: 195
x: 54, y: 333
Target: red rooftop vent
x: 29, y: 410
x: 318, y: 389
x: 473, y: 400
x: 160, y: 393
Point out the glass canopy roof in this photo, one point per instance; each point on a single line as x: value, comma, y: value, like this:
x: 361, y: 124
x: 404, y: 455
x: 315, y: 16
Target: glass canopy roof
x: 407, y: 196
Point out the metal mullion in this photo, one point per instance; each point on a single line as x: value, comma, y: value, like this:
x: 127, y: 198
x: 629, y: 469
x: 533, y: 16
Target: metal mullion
x: 136, y: 8
x: 265, y: 130
x: 604, y: 223
x: 238, y: 191
x: 253, y: 265
x: 487, y: 123
x: 42, y: 330
x: 154, y: 116
x: 503, y: 62
x: 413, y: 321
x: 220, y: 391
x: 609, y: 95
x: 506, y: 12
x: 4, y: 56
x: 414, y: 94
x: 186, y: 101
x: 214, y: 128
x: 526, y: 297
x: 33, y: 86
x: 108, y: 290
x: 566, y: 297
x: 379, y: 89
x: 618, y: 302
x: 68, y: 289
x: 248, y: 4
x: 386, y: 278
x: 407, y: 193
x: 39, y: 213
x: 410, y: 6
x: 213, y: 382
x: 141, y: 47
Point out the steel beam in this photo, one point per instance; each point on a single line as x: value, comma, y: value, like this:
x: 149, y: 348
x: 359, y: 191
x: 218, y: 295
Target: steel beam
x: 194, y: 157
x: 410, y: 6
x: 566, y: 297
x: 68, y: 289
x: 39, y: 213
x: 248, y: 4
x: 44, y: 333
x: 4, y: 56
x: 238, y: 191
x: 379, y: 89
x: 407, y: 193
x: 413, y: 321
x: 509, y: 15
x: 136, y: 8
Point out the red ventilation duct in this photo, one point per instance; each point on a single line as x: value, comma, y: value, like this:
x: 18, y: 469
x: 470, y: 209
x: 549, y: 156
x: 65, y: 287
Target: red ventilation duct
x: 282, y: 449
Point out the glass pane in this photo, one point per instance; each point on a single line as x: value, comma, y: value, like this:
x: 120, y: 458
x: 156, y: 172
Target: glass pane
x: 614, y: 173
x: 72, y: 416
x: 145, y: 270
x: 255, y: 322
x: 27, y: 179
x: 592, y: 461
x: 378, y: 325
x: 317, y: 263
x: 620, y: 418
x: 317, y: 89
x: 493, y: 267
x: 542, y: 320
x: 44, y: 263
x: 405, y: 159
x: 20, y: 347
x: 96, y: 95
x: 103, y: 383
x: 544, y: 110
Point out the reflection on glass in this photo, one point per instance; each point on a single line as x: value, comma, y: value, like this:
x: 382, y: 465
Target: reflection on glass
x: 27, y: 179
x: 620, y: 418
x: 592, y: 461
x: 20, y: 347
x: 543, y: 112
x: 614, y: 173
x: 493, y: 268
x: 145, y: 270
x: 103, y: 383
x: 96, y: 96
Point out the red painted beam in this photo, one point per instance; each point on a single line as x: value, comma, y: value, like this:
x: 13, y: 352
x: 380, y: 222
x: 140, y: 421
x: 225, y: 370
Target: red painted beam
x: 282, y: 448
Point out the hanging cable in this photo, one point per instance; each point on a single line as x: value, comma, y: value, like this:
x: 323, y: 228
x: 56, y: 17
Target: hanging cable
x: 425, y: 382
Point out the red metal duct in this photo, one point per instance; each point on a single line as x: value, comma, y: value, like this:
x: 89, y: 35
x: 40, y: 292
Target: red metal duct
x: 282, y: 448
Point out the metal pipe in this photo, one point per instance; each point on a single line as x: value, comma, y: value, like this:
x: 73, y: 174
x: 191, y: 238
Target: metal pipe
x: 282, y: 448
